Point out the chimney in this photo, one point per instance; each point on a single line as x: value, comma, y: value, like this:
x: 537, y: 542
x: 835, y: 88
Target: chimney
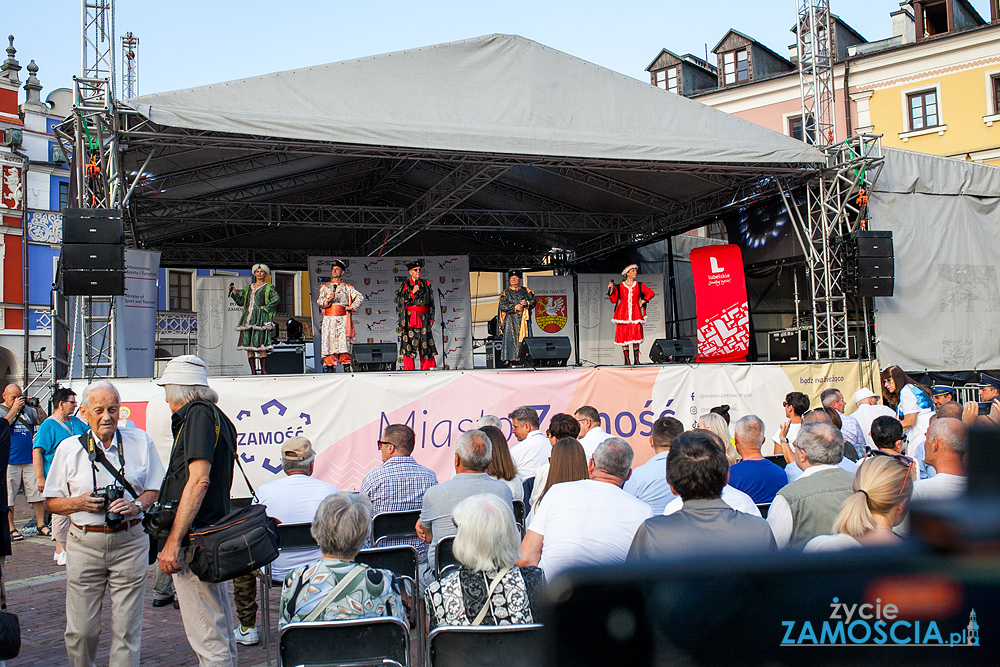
x: 903, y: 25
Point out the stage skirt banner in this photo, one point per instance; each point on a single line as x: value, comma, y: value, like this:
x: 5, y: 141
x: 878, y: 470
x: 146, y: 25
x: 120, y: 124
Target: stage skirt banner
x: 720, y: 294
x: 344, y: 415
x: 377, y: 321
x: 595, y: 310
x: 554, y: 309
x: 218, y: 315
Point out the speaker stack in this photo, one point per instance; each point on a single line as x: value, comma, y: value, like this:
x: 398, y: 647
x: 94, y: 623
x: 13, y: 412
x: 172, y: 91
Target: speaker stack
x: 870, y: 263
x: 93, y: 252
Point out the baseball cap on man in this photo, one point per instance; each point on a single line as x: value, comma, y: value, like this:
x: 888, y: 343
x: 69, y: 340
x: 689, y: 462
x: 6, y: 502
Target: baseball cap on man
x: 186, y: 369
x: 297, y: 449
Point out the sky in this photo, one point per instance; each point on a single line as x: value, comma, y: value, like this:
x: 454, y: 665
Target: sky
x: 183, y: 43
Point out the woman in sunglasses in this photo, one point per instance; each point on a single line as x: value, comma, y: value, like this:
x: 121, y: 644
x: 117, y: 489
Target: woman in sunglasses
x: 883, y: 485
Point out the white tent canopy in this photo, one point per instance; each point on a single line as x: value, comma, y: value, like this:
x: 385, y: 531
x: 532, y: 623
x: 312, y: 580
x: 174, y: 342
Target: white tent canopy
x: 492, y: 94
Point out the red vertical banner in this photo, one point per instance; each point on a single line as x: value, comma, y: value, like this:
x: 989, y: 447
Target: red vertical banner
x: 720, y: 294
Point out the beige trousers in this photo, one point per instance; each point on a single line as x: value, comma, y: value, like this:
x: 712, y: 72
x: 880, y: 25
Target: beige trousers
x: 208, y: 619
x: 117, y: 561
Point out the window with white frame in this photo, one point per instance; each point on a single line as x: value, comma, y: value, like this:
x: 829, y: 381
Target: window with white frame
x: 923, y: 110
x: 673, y: 78
x: 995, y: 94
x: 661, y: 78
x: 735, y: 67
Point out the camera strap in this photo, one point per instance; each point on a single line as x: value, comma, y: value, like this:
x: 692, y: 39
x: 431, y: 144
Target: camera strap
x: 96, y: 454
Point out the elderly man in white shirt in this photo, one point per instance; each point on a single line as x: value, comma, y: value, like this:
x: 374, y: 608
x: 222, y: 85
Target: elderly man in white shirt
x: 591, y: 433
x: 945, y: 450
x: 104, y: 552
x: 868, y: 411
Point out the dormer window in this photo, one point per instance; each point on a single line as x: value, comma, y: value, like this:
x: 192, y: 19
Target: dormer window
x: 735, y: 67
x: 668, y: 79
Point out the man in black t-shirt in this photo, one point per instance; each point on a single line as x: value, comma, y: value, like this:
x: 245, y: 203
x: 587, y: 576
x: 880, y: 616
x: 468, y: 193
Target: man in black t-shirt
x: 199, y: 477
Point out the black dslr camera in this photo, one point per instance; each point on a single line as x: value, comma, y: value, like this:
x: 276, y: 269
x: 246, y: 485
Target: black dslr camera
x: 159, y: 518
x: 109, y: 494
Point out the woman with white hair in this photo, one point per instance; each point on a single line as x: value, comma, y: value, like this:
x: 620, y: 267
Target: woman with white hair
x: 717, y: 424
x: 883, y: 485
x: 489, y: 588
x: 335, y: 588
x: 259, y: 301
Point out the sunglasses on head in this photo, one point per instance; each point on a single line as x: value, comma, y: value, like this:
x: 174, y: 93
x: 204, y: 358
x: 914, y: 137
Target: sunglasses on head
x: 902, y: 458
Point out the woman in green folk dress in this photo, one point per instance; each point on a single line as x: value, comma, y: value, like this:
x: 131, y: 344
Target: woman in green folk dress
x: 259, y: 301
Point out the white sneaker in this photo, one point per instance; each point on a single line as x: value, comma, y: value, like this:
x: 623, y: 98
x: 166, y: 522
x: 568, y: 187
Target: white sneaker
x: 247, y: 637
x: 61, y: 558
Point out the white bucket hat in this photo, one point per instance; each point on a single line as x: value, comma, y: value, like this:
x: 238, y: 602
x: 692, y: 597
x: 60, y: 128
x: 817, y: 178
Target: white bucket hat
x: 186, y: 369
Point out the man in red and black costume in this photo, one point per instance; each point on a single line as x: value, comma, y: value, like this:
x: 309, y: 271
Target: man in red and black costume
x: 415, y: 301
x: 630, y: 298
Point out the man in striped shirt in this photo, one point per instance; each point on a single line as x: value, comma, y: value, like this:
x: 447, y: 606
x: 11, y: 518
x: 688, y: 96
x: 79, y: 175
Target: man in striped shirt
x: 398, y: 485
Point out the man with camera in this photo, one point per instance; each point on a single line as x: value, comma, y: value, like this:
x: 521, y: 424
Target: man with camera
x: 20, y: 468
x: 104, y: 481
x: 195, y: 494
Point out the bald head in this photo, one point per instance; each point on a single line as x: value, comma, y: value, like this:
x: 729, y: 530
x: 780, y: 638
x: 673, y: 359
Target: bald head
x: 10, y: 393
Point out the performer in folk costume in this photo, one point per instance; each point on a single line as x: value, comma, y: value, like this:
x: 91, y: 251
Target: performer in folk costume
x: 415, y: 302
x: 259, y: 301
x: 516, y: 304
x: 630, y: 299
x: 338, y: 300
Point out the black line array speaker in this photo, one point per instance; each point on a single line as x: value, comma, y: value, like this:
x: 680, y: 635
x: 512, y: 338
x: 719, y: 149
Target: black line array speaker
x: 545, y: 351
x: 374, y: 357
x: 93, y: 225
x: 871, y: 263
x: 673, y: 350
x: 92, y: 261
x: 93, y: 256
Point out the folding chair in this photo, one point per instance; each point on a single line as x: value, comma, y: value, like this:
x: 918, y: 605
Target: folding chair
x: 444, y: 559
x: 362, y: 641
x: 519, y: 515
x: 485, y: 646
x: 386, y: 525
x: 402, y: 561
x: 764, y: 507
x: 291, y: 537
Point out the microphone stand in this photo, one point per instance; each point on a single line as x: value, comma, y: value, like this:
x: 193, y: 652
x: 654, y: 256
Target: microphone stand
x: 444, y: 346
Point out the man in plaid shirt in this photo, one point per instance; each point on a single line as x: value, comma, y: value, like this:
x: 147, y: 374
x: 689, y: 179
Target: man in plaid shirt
x: 398, y: 485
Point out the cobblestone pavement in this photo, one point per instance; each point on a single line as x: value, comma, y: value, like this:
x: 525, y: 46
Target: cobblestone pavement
x: 36, y: 592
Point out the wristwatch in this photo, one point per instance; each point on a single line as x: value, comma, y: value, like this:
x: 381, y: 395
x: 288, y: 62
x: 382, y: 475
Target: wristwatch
x: 139, y: 505
x: 784, y: 441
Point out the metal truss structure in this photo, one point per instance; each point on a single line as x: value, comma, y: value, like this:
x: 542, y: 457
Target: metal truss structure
x: 835, y: 206
x: 130, y: 61
x: 814, y: 40
x: 89, y: 138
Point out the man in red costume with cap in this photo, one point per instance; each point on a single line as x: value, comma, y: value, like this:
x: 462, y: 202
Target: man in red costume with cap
x: 415, y: 301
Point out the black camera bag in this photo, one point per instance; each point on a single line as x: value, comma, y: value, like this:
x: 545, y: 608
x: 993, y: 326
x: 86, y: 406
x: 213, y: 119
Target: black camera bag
x: 237, y: 544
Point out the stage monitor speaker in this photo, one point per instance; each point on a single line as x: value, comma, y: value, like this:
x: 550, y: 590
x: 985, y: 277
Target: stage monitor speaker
x: 787, y: 345
x: 287, y: 360
x: 875, y: 286
x: 93, y: 283
x: 374, y: 357
x: 873, y: 244
x: 93, y: 225
x: 545, y: 352
x: 93, y: 256
x: 673, y: 351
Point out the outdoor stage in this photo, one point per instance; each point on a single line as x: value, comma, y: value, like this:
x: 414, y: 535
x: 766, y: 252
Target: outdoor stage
x: 344, y: 414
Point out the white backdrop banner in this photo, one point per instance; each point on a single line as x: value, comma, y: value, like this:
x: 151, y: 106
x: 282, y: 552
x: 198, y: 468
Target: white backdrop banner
x: 344, y: 415
x: 218, y: 316
x: 376, y: 321
x: 597, y: 331
x: 555, y: 309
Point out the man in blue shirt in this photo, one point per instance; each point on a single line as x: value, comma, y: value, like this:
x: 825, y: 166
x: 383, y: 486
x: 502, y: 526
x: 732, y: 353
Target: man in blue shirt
x: 754, y: 475
x: 60, y: 425
x: 648, y: 482
x: 20, y: 471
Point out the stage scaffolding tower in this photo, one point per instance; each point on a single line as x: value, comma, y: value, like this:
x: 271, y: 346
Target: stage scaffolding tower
x: 835, y: 205
x: 89, y: 138
x: 130, y: 66
x: 814, y: 46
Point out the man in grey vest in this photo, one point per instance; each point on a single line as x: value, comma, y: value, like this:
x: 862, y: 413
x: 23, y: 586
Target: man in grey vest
x: 808, y: 506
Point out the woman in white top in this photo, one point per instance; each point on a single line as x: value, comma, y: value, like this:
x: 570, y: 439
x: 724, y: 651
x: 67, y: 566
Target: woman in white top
x: 501, y: 466
x: 883, y: 485
x: 914, y: 408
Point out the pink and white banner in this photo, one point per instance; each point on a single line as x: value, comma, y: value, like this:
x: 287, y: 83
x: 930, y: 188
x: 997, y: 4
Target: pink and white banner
x: 344, y: 414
